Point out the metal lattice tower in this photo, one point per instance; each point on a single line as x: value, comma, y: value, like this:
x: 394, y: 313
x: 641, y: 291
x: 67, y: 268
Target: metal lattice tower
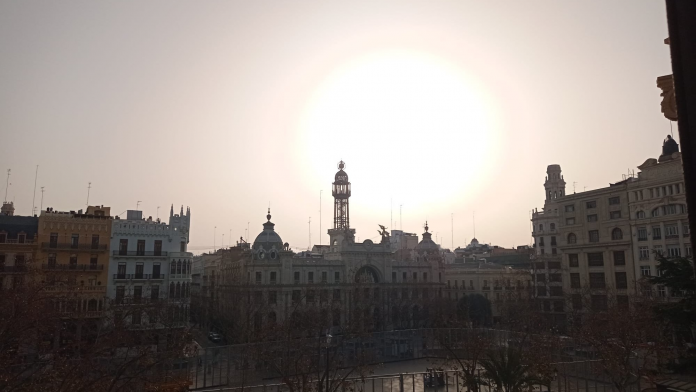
x: 341, y: 194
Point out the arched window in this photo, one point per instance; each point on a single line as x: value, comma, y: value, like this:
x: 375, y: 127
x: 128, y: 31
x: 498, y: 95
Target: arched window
x: 640, y: 215
x: 172, y: 270
x: 178, y: 267
x: 555, y: 195
x: 553, y: 226
x: 616, y: 234
x: 572, y: 238
x: 92, y: 305
x: 188, y: 290
x: 656, y: 212
x: 177, y: 293
x: 171, y: 289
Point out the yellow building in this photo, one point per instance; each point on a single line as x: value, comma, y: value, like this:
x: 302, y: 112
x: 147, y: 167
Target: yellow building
x: 73, y: 251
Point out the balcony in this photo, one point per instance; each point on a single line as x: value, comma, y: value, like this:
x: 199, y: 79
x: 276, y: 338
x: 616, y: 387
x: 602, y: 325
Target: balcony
x: 137, y: 301
x: 72, y: 267
x: 138, y: 253
x: 671, y: 236
x: 9, y: 269
x: 80, y: 289
x: 15, y: 241
x: 87, y: 314
x: 138, y: 276
x: 486, y: 287
x: 71, y: 246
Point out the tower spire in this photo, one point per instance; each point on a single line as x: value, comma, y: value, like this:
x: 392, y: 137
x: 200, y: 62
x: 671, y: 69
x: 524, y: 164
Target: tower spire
x: 341, y: 194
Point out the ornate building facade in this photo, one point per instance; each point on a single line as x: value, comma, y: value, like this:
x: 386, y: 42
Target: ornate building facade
x: 349, y: 281
x: 149, y: 263
x: 593, y: 248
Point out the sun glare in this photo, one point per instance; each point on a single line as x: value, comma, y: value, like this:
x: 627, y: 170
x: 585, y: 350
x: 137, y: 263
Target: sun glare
x: 389, y: 115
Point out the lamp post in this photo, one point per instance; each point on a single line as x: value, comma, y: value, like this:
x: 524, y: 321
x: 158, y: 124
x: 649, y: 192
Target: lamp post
x: 328, y: 343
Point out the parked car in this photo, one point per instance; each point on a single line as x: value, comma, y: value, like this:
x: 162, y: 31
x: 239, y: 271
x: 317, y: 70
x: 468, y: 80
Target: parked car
x: 214, y: 337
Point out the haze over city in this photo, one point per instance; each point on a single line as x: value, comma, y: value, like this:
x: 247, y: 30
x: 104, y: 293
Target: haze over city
x: 225, y: 107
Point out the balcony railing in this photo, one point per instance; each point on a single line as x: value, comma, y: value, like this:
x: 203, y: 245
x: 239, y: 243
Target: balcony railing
x: 71, y: 246
x: 17, y: 242
x: 138, y: 276
x: 72, y: 267
x: 83, y: 314
x: 13, y: 268
x: 671, y: 236
x: 82, y: 289
x: 486, y: 287
x: 136, y: 301
x: 140, y: 253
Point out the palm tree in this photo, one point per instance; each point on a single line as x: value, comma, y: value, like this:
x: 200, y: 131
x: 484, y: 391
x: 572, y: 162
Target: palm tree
x: 504, y: 370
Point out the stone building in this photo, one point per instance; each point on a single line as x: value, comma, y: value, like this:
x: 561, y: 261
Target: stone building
x: 592, y: 248
x: 149, y: 262
x: 350, y: 280
x: 73, y: 252
x: 18, y: 246
x: 497, y: 283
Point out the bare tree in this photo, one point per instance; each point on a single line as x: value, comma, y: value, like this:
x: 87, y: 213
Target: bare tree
x: 624, y: 334
x: 110, y: 352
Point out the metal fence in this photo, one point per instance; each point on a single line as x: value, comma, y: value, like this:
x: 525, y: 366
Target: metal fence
x: 571, y: 377
x: 222, y: 369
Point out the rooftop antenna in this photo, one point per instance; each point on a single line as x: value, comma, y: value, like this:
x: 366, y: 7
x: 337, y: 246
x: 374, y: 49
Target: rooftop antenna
x: 452, y: 230
x: 42, y: 193
x: 320, y: 191
x: 89, y: 186
x: 137, y: 205
x: 310, y: 233
x: 391, y: 212
x: 473, y: 215
x: 7, y: 184
x: 401, y: 220
x: 158, y: 212
x: 574, y: 182
x: 214, y: 234
x: 33, y: 205
x: 223, y: 241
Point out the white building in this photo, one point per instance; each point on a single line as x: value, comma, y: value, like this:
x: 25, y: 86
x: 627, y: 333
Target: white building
x: 605, y: 240
x: 149, y: 262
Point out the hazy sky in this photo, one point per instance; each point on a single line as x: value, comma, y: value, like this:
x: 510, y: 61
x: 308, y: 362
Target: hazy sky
x: 440, y: 106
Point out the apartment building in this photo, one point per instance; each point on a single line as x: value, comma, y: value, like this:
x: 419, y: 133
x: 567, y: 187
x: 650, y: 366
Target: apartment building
x: 593, y: 248
x: 149, y: 262
x: 18, y: 245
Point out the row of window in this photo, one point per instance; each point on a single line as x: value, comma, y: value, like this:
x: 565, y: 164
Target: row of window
x: 310, y: 277
x: 596, y: 259
x: 180, y: 267
x: 597, y: 280
x: 21, y: 238
x: 659, y: 191
x: 496, y: 284
x: 673, y: 250
x: 140, y: 247
x: 176, y: 290
x: 19, y: 259
x: 612, y: 201
x: 671, y: 231
x: 74, y: 240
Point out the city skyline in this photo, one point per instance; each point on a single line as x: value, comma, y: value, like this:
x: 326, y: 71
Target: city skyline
x: 159, y: 114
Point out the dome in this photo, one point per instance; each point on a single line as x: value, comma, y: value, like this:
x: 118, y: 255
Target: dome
x: 341, y: 176
x: 268, y: 238
x: 427, y: 245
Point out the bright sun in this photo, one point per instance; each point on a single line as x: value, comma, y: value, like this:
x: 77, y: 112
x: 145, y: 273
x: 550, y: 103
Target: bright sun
x: 410, y: 126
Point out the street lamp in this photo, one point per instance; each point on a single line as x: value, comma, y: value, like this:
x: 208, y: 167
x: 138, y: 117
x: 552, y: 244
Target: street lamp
x: 328, y: 343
